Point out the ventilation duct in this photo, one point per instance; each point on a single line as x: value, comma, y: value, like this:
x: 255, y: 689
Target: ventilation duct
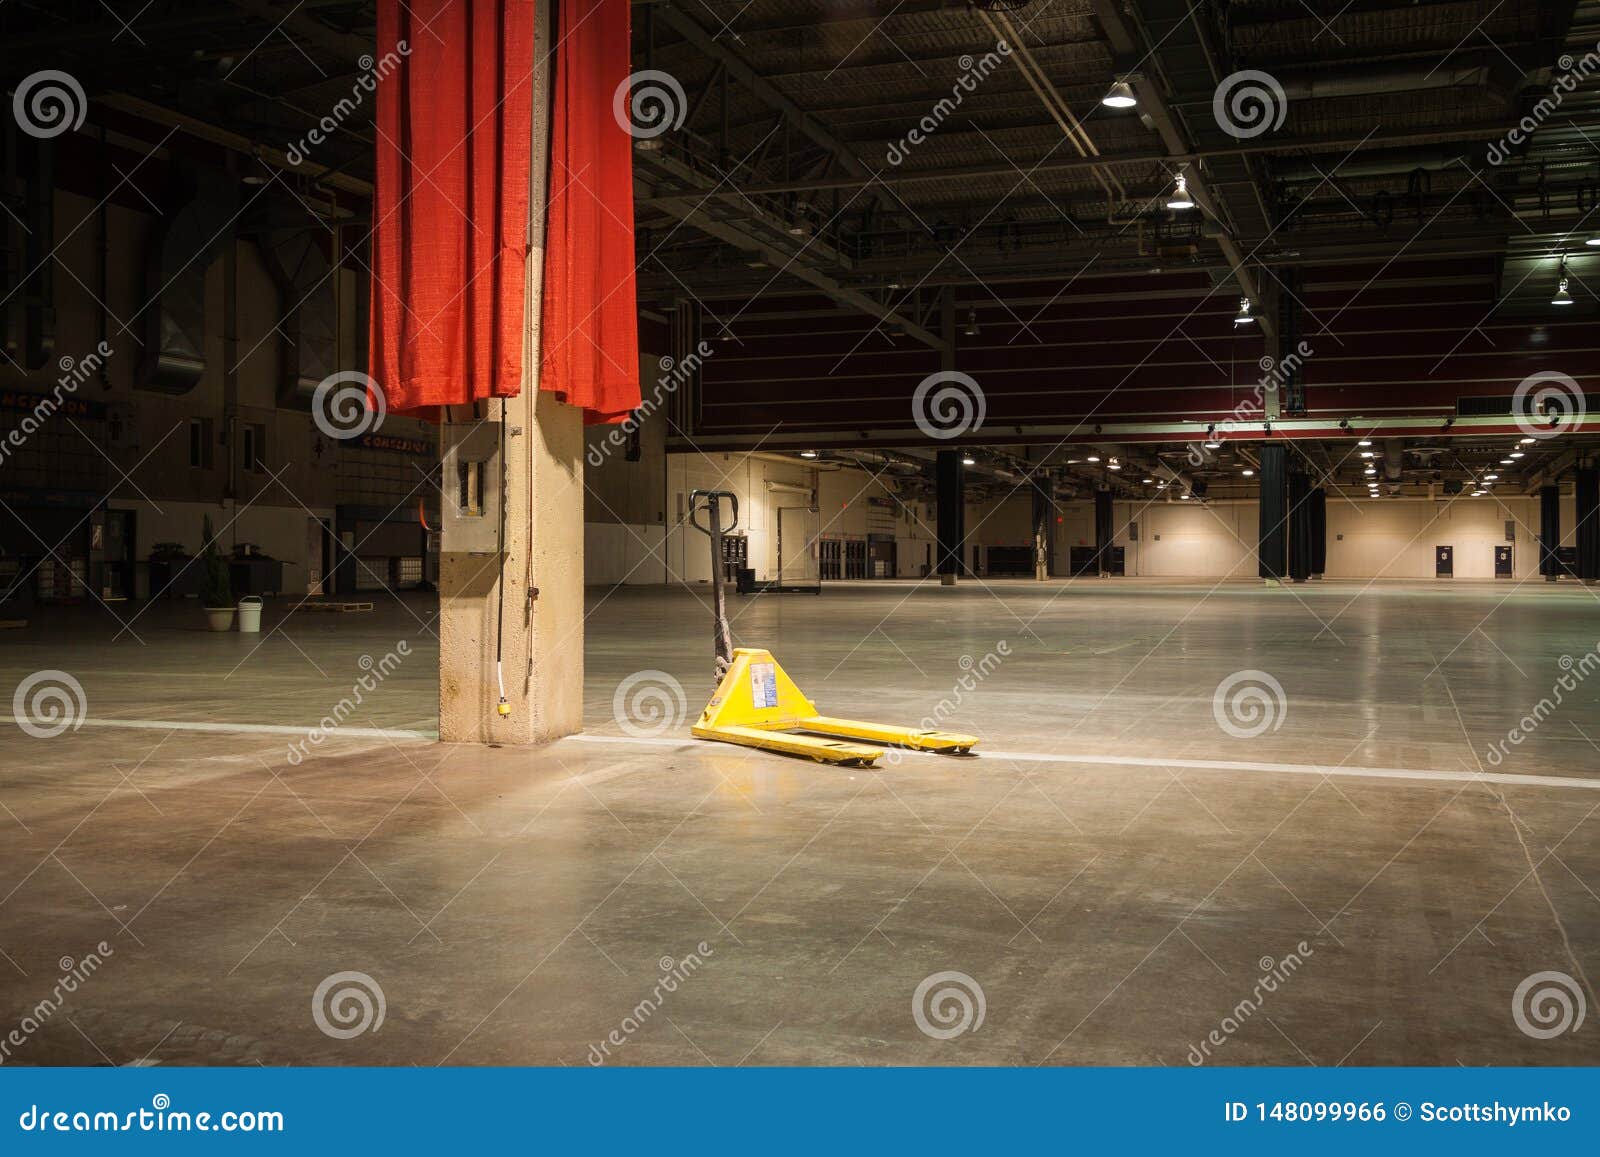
x: 1377, y: 81
x: 1379, y: 164
x: 310, y: 321
x: 184, y: 243
x: 1394, y: 460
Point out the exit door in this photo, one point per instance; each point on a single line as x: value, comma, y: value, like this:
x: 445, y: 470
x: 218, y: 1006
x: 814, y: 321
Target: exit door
x: 1444, y: 561
x: 1502, y: 562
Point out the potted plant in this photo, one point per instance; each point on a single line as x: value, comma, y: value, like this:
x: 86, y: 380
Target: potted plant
x: 216, y: 588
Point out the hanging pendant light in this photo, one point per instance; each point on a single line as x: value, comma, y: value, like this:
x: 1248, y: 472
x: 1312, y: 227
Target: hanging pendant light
x: 1180, y: 195
x: 1562, y: 297
x: 1243, y: 317
x: 1119, y: 95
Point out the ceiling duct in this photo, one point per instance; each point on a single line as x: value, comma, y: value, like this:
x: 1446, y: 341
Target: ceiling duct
x: 1378, y: 81
x: 1379, y: 164
x: 183, y: 244
x: 310, y: 321
x: 1394, y: 459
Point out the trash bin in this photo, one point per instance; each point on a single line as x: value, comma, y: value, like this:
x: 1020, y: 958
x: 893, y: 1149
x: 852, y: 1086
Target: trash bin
x: 746, y: 580
x: 250, y: 615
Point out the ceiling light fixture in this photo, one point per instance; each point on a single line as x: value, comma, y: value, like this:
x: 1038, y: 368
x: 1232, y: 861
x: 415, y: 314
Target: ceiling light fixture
x: 1594, y: 239
x: 1243, y: 317
x: 968, y: 460
x: 1119, y: 95
x: 808, y: 453
x: 1092, y: 458
x: 1525, y: 441
x: 1516, y: 454
x: 1364, y: 442
x: 1562, y: 297
x: 1180, y: 198
x: 1248, y: 473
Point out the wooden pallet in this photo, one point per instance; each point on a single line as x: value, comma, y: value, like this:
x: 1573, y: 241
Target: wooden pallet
x: 12, y: 624
x: 336, y: 608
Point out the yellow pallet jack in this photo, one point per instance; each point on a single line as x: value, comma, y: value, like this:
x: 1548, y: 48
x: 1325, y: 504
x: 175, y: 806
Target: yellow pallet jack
x: 756, y: 704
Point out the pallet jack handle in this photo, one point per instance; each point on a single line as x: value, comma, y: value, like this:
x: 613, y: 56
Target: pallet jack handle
x: 710, y: 501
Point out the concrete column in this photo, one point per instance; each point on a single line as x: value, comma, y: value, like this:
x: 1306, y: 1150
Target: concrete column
x: 1043, y: 524
x: 540, y: 617
x: 952, y: 513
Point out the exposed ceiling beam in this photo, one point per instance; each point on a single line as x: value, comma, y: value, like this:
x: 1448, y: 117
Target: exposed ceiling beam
x: 344, y: 45
x: 226, y: 138
x: 736, y: 68
x: 736, y: 236
x: 1153, y: 105
x: 740, y: 70
x: 1307, y: 145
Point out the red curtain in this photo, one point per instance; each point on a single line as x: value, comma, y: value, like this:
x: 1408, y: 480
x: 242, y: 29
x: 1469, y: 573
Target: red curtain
x: 590, y: 337
x: 454, y: 123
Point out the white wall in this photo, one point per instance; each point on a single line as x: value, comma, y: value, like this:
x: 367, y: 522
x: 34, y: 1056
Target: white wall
x: 1388, y: 538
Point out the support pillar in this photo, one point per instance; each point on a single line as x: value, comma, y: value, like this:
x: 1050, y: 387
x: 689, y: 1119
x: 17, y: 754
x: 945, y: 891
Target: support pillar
x: 1103, y: 532
x: 534, y: 601
x: 1549, y: 532
x: 1272, y: 539
x: 1586, y: 513
x: 1319, y: 532
x: 948, y: 478
x: 1043, y: 526
x: 1300, y: 532
x: 538, y: 616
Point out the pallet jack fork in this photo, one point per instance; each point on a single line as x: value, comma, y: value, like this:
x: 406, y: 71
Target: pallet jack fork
x: 756, y: 704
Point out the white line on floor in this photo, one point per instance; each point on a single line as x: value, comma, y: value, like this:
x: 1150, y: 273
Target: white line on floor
x: 247, y: 728
x: 1318, y: 769
x: 1412, y: 773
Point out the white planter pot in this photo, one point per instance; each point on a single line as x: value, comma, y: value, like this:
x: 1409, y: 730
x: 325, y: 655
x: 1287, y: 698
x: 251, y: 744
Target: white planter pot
x: 250, y: 615
x: 220, y: 618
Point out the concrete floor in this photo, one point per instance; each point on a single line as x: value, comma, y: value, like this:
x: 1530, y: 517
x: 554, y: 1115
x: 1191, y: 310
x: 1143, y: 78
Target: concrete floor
x: 1114, y: 871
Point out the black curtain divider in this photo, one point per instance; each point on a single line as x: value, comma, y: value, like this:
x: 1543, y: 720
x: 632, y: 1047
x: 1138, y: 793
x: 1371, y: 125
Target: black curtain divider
x: 1319, y: 531
x: 1299, y: 527
x: 1549, y: 530
x: 1272, y: 542
x: 952, y: 514
x: 1102, y: 531
x: 1586, y: 509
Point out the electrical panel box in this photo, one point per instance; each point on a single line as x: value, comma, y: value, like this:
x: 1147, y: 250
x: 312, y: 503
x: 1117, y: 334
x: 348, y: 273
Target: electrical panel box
x: 473, y: 486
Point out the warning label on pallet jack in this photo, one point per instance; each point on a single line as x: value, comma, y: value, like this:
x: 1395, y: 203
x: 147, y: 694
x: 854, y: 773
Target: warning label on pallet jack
x: 763, y: 685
